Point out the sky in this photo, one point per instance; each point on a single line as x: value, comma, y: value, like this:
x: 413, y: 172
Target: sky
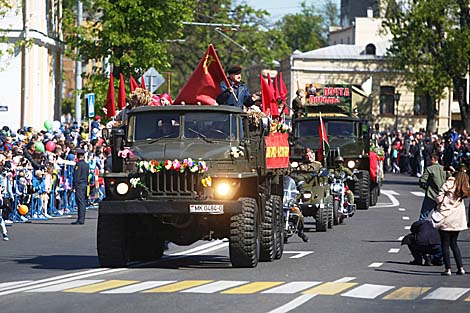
x: 278, y: 8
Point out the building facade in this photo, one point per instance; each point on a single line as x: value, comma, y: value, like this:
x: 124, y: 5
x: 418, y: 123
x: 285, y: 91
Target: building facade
x: 31, y: 74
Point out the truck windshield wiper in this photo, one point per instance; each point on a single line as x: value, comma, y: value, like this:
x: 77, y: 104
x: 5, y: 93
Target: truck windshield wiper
x: 200, y: 135
x: 157, y: 139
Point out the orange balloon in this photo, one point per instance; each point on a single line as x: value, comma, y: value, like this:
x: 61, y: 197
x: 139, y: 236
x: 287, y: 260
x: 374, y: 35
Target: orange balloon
x: 23, y: 209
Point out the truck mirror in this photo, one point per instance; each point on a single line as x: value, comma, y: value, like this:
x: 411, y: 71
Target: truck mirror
x: 265, y: 126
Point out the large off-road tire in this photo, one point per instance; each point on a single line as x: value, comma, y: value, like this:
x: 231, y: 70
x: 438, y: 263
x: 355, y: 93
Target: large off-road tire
x: 329, y: 205
x: 112, y: 240
x: 268, y: 233
x: 362, y: 190
x: 321, y: 219
x: 244, y: 245
x: 280, y: 222
x: 145, y: 245
x: 374, y: 194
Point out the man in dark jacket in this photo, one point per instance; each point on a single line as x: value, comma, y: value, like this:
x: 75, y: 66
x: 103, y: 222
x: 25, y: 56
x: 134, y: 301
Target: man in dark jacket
x: 424, y: 242
x: 80, y: 182
x: 237, y: 94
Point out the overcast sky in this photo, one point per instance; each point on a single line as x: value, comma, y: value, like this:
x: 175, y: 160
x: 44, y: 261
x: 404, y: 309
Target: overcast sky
x: 278, y: 8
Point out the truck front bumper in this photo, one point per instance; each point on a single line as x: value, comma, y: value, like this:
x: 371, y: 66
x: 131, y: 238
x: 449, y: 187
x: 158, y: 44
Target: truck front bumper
x: 165, y: 206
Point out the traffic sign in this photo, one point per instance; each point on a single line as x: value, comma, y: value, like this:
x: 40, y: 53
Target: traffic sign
x: 153, y: 79
x: 91, y: 104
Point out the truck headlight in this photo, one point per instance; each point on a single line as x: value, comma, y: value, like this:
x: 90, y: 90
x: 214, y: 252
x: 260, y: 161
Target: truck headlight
x: 225, y: 189
x: 351, y: 164
x: 307, y: 195
x: 122, y: 188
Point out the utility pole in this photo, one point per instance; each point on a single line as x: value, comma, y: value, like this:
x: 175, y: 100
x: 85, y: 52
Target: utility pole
x: 78, y: 71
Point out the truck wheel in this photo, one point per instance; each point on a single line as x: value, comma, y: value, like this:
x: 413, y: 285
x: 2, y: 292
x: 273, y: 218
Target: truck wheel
x: 146, y: 246
x: 374, y: 194
x: 321, y: 219
x: 362, y: 189
x: 244, y: 245
x: 280, y: 222
x: 112, y: 240
x: 331, y: 213
x: 268, y: 233
x: 336, y: 219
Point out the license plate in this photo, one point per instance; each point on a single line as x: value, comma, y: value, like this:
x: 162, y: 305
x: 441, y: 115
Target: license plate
x: 207, y: 208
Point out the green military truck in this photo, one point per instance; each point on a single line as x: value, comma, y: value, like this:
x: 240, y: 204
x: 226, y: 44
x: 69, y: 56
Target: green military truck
x: 349, y: 137
x: 185, y: 173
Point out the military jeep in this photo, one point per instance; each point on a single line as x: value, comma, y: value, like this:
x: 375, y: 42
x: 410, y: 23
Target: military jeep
x: 185, y: 173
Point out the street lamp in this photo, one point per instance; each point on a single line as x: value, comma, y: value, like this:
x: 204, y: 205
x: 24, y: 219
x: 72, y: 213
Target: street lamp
x: 396, y: 97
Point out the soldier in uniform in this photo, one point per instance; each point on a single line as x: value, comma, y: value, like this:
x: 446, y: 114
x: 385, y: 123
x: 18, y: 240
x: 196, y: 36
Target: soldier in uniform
x: 80, y: 181
x: 237, y: 94
x: 298, y: 103
x: 339, y: 167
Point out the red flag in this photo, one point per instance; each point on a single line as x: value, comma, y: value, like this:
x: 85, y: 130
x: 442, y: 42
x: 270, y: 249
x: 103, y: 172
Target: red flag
x: 324, y: 148
x: 110, y: 107
x: 143, y: 83
x: 122, y: 93
x: 283, y: 89
x: 276, y: 88
x: 267, y: 98
x: 204, y: 84
x: 134, y: 84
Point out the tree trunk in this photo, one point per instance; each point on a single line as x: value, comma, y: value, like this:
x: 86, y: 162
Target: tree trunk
x: 460, y: 90
x: 431, y: 124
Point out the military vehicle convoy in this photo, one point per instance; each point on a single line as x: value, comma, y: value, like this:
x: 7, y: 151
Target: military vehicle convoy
x: 348, y: 137
x: 185, y: 173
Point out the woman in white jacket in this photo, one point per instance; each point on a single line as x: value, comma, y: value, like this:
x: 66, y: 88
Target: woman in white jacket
x: 452, y: 209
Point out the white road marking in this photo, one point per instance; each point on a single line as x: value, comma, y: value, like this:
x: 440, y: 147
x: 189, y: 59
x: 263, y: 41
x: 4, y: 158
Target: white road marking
x: 293, y: 287
x: 198, y: 248
x: 139, y: 287
x: 401, y: 209
x: 289, y: 306
x: 345, y: 279
x: 393, y: 250
x: 298, y: 254
x: 405, y: 218
x: 367, y: 291
x: 55, y: 280
x: 221, y: 246
x: 391, y: 195
x: 14, y: 284
x: 376, y: 264
x: 400, y: 238
x: 407, y: 227
x: 445, y: 293
x: 67, y: 285
x: 215, y: 286
x: 418, y: 193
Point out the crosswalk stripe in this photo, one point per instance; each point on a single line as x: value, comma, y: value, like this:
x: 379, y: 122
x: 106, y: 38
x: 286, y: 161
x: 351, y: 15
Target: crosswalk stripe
x: 393, y: 250
x: 67, y: 285
x: 185, y: 284
x: 446, y: 293
x: 252, y: 287
x: 216, y: 286
x: 293, y: 287
x: 330, y: 288
x: 406, y: 293
x: 367, y: 291
x: 110, y: 284
x: 12, y: 284
x: 376, y: 264
x: 139, y: 287
x: 345, y: 279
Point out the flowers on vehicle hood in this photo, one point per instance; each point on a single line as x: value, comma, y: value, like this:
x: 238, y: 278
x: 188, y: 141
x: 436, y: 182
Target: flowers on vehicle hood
x: 154, y: 166
x: 237, y: 152
x: 126, y: 153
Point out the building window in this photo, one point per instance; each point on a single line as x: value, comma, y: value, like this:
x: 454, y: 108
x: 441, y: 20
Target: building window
x: 387, y: 101
x: 421, y: 103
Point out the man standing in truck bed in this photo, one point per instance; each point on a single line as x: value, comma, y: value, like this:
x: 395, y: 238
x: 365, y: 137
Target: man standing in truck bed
x: 237, y: 94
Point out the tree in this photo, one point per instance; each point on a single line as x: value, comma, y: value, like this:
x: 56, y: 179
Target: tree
x: 430, y: 47
x: 130, y: 34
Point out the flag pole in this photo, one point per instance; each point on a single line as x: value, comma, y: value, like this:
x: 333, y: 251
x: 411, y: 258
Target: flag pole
x: 322, y: 142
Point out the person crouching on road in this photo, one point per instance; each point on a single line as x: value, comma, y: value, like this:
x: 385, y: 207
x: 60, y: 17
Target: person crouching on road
x: 424, y: 243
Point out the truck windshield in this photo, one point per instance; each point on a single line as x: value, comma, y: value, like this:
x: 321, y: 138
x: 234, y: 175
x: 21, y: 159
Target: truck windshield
x: 156, y: 125
x: 333, y: 128
x: 308, y: 128
x: 210, y: 125
x: 340, y: 128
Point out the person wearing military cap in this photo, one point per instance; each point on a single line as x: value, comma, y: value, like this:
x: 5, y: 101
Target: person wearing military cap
x: 339, y: 168
x: 298, y: 103
x: 80, y: 182
x: 237, y: 94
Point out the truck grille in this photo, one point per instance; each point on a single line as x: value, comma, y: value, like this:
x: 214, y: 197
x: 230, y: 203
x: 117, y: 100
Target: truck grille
x: 331, y: 157
x: 173, y: 184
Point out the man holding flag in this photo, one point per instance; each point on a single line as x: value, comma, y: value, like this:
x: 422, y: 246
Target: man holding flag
x: 237, y: 93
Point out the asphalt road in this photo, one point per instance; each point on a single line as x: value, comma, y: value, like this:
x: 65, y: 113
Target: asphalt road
x: 51, y: 266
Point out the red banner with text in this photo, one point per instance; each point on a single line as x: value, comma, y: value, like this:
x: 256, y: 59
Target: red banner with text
x: 277, y: 150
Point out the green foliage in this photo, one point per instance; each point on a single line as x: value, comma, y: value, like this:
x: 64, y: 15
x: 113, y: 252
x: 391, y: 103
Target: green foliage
x: 430, y: 45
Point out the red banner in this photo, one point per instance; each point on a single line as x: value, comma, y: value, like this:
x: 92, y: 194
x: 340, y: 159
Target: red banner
x: 277, y: 151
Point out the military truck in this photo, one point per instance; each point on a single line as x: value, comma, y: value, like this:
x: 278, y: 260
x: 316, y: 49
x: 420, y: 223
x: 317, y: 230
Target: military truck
x: 349, y: 137
x: 185, y: 173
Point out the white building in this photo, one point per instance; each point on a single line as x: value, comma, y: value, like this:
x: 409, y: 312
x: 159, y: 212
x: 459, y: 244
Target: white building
x: 31, y: 76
